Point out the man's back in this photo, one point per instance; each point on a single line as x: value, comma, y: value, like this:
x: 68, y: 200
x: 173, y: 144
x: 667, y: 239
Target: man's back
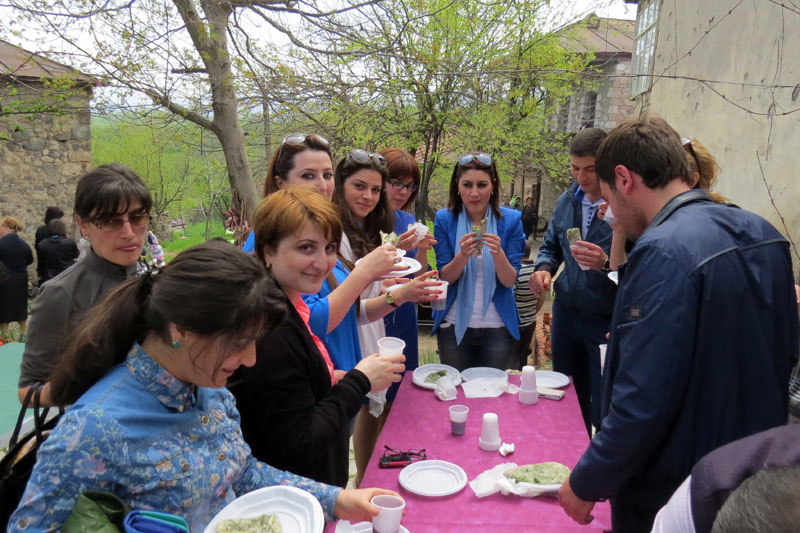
x: 705, y: 327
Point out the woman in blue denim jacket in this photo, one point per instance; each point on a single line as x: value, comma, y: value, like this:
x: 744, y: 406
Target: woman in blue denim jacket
x: 478, y: 252
x: 151, y: 420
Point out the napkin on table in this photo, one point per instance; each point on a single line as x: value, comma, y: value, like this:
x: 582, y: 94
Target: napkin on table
x: 445, y: 389
x: 488, y: 387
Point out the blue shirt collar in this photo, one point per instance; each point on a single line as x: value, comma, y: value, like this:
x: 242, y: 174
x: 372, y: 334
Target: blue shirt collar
x: 168, y: 389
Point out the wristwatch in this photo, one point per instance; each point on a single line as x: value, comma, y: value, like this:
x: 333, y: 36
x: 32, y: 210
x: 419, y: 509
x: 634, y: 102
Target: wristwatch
x: 606, y: 265
x: 390, y: 300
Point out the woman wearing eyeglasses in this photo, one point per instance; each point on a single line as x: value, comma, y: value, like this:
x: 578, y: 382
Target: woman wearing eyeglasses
x: 360, y: 194
x: 478, y: 252
x: 401, y: 191
x: 112, y: 209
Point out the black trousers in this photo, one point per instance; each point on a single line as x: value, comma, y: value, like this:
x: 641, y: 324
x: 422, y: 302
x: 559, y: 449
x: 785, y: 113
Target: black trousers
x: 630, y: 518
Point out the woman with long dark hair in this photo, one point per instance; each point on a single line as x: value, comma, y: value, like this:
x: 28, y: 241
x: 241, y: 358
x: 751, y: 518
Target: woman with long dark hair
x: 478, y: 252
x: 112, y: 209
x: 360, y: 194
x: 150, y: 419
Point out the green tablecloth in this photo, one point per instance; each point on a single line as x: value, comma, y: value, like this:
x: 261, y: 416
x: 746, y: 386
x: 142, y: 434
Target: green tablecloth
x: 10, y: 357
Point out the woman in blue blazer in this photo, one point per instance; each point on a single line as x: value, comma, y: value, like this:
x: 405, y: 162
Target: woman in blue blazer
x: 480, y: 322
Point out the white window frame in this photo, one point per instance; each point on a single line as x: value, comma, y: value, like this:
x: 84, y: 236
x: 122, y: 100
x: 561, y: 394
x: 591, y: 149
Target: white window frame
x: 644, y: 46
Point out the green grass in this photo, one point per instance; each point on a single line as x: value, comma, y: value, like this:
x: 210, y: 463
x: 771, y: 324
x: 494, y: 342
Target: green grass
x: 194, y: 234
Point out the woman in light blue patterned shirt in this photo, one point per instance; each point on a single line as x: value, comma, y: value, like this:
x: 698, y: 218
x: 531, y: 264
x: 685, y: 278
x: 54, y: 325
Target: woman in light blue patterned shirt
x: 150, y: 419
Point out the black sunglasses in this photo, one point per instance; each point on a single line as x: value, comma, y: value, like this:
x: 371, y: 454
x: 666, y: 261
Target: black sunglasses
x: 483, y: 158
x: 362, y: 156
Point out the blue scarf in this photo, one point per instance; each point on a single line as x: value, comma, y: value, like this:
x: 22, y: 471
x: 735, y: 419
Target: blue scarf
x: 466, y: 287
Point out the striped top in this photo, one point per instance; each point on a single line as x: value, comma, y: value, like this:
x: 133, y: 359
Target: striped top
x: 526, y: 299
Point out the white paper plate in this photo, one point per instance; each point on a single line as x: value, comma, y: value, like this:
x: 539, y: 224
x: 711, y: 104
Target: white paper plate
x: 360, y: 527
x: 420, y: 373
x: 412, y: 264
x: 482, y: 372
x: 298, y: 510
x: 433, y: 478
x: 551, y: 380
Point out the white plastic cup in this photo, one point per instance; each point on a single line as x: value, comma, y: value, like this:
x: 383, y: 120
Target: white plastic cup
x: 441, y: 299
x: 458, y: 419
x: 527, y: 381
x: 582, y: 248
x: 390, y: 346
x: 490, y: 433
x: 391, y: 513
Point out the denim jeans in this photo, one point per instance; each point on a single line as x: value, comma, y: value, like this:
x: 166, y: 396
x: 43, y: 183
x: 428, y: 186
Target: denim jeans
x: 492, y: 347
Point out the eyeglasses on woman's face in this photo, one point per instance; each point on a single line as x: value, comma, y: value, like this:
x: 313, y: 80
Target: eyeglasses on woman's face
x: 399, y: 185
x: 483, y: 158
x: 136, y: 220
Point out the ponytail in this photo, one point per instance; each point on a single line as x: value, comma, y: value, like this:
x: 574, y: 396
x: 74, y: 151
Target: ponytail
x: 101, y: 341
x: 213, y: 290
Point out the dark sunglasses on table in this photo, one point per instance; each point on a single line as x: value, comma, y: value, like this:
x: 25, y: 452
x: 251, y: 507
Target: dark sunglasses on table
x: 139, y: 220
x: 398, y: 458
x: 399, y: 186
x: 362, y: 156
x: 483, y: 158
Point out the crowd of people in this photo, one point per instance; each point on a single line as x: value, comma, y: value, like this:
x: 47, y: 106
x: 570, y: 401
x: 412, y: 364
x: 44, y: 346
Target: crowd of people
x: 224, y: 370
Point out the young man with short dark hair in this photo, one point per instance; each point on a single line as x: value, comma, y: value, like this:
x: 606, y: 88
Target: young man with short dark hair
x: 703, y: 334
x: 584, y: 294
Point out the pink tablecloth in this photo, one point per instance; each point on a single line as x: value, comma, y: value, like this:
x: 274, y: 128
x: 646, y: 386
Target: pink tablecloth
x: 547, y: 431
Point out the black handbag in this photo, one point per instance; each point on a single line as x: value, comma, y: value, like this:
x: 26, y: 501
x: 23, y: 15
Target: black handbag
x: 17, y: 465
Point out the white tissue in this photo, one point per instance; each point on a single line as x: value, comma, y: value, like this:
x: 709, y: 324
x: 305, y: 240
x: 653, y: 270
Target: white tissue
x: 445, y: 389
x: 493, y: 481
x: 506, y: 449
x: 376, y: 402
x: 420, y: 230
x: 488, y: 387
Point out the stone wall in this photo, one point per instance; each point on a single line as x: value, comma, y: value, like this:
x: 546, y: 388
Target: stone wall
x: 42, y: 156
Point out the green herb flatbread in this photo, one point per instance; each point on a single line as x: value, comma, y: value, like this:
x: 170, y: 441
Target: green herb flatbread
x: 389, y: 238
x: 550, y: 473
x: 573, y: 235
x: 434, y: 377
x: 265, y: 523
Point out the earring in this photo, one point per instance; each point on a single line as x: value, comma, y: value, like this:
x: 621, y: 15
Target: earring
x: 268, y: 264
x: 176, y: 344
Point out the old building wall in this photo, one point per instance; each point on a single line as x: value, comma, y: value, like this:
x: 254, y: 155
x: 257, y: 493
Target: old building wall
x: 42, y: 155
x: 727, y: 73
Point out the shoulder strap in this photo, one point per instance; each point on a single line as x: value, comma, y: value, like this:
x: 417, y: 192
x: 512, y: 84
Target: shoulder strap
x: 25, y: 403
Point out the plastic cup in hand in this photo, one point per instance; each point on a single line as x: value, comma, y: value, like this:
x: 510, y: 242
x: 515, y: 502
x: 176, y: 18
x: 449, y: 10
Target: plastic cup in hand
x: 390, y: 515
x: 581, y: 248
x: 458, y: 419
x: 490, y: 433
x: 441, y: 299
x: 390, y: 346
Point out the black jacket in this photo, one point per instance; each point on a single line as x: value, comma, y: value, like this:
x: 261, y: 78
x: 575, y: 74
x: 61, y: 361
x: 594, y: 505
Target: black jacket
x: 292, y: 417
x: 55, y: 255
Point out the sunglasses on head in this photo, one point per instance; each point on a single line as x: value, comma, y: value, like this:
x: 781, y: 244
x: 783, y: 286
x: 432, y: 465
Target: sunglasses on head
x: 362, y: 156
x: 687, y: 144
x: 297, y: 139
x: 483, y: 158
